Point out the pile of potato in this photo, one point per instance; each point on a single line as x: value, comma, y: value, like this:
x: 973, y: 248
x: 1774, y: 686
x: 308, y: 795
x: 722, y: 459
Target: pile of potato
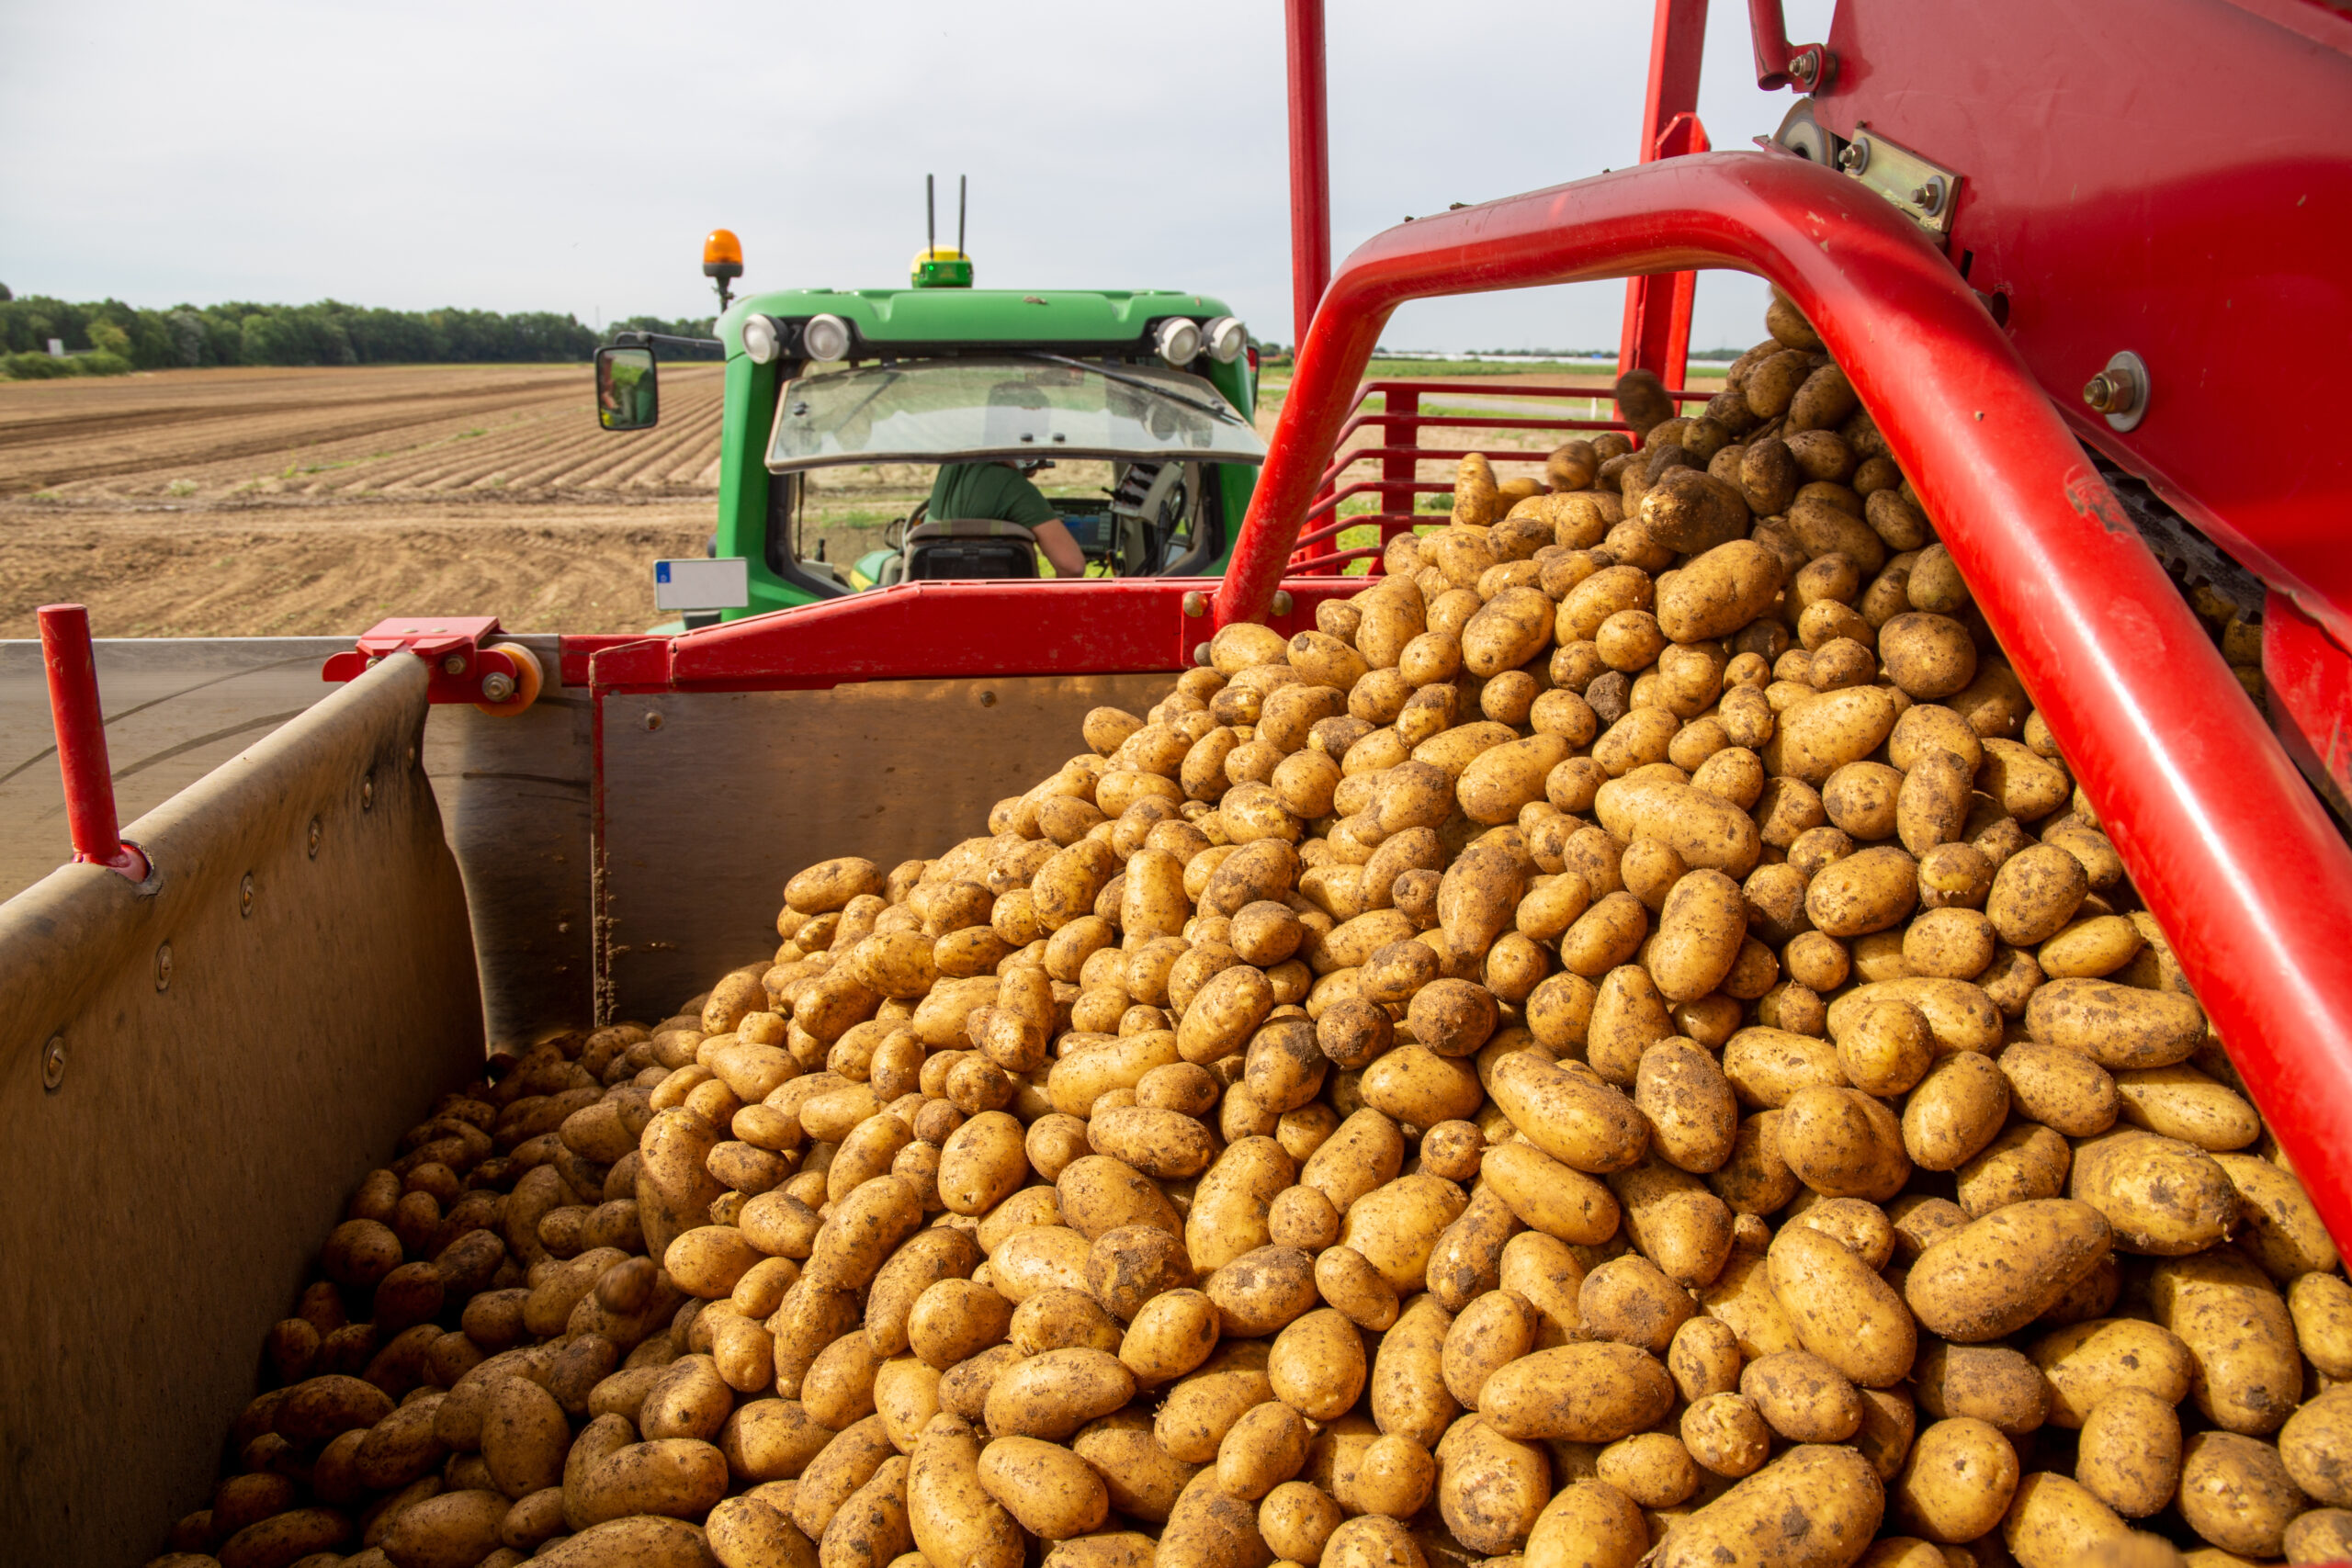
x: 1624, y: 1046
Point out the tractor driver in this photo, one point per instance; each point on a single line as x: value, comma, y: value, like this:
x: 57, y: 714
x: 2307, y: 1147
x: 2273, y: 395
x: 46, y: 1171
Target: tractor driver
x: 997, y: 489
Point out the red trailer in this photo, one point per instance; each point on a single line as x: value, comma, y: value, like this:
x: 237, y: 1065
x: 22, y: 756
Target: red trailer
x: 2083, y: 263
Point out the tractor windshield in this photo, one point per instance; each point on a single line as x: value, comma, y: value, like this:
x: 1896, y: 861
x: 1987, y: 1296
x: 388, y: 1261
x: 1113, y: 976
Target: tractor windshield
x: 946, y: 411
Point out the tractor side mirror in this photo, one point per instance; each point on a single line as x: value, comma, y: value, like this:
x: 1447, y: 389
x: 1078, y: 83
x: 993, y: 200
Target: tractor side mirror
x: 627, y: 394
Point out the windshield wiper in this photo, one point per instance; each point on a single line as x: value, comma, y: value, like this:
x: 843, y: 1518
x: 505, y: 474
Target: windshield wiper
x: 1211, y: 405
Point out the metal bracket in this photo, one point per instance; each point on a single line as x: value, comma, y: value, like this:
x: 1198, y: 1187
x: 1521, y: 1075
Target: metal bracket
x: 455, y: 648
x: 1928, y: 193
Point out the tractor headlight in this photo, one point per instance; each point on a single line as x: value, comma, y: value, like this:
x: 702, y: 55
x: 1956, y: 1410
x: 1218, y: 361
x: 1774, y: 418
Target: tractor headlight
x: 824, y: 337
x: 1177, y: 341
x: 1226, y: 337
x: 761, y: 338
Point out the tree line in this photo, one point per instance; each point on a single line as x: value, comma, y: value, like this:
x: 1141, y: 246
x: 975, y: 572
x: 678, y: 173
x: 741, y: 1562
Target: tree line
x: 111, y: 338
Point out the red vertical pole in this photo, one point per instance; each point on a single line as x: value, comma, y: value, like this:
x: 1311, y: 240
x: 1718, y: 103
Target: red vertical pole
x: 1656, y: 335
x: 81, y: 742
x: 1310, y: 166
x: 1399, y: 472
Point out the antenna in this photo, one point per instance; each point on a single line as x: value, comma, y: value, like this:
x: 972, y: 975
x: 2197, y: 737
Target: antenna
x: 929, y: 216
x: 962, y: 181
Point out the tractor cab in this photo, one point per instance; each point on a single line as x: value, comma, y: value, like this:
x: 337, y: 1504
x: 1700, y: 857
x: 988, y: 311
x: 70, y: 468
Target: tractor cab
x: 984, y: 432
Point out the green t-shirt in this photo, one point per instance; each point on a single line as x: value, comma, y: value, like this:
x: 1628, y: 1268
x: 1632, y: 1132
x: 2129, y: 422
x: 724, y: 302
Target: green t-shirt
x: 988, y: 491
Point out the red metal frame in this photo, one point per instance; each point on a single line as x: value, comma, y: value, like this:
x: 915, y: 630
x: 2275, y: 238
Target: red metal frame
x: 2308, y: 682
x: 1656, y: 333
x: 2233, y: 854
x: 1809, y: 68
x: 1310, y: 162
x: 934, y: 631
x: 80, y: 723
x: 1400, y: 460
x: 456, y: 647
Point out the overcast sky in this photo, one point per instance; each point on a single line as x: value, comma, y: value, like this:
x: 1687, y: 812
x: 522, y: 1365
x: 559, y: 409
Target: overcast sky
x: 570, y: 157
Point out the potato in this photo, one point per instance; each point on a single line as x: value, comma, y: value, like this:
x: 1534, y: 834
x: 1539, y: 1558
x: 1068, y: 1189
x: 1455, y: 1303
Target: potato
x: 1052, y: 1394
x: 2311, y: 1446
x: 771, y: 1440
x: 1051, y: 1491
x: 2282, y: 1232
x: 1954, y: 1112
x: 1842, y: 1143
x: 644, y: 1542
x: 1929, y: 656
x: 950, y: 1513
x: 981, y: 1164
x: 1571, y: 1116
x: 2180, y: 1102
x: 2235, y: 1491
x: 2130, y: 1455
x: 2085, y: 1363
x: 1865, y: 892
x: 1208, y: 1528
x: 1815, y: 1506
x: 2061, y: 1088
x: 1999, y: 1273
x: 1585, y: 1394
x: 2054, y: 1522
x: 1958, y: 1482
x: 1707, y: 832
x: 1843, y: 1311
x: 1718, y: 592
x: 2159, y: 1195
x: 1801, y: 1397
x: 2246, y: 1374
x: 2322, y: 1535
x: 1587, y: 1524
x: 2118, y: 1026
x: 2321, y: 1305
x: 1317, y: 1365
x: 676, y: 1477
x: 2025, y: 1162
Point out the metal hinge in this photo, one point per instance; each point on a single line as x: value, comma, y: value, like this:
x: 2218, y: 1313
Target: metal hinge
x: 1926, y: 192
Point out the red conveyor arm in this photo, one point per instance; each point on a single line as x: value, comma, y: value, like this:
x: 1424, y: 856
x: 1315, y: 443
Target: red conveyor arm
x: 2232, y: 851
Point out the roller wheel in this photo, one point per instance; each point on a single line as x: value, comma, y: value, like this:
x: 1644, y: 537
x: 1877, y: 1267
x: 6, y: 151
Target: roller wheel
x: 529, y: 680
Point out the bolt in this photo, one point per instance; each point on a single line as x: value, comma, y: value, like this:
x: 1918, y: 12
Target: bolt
x: 1855, y: 156
x: 245, y: 896
x: 53, y: 1062
x: 2112, y: 390
x: 454, y: 665
x: 497, y: 686
x: 987, y: 699
x: 317, y: 832
x: 652, y: 721
x: 1930, y: 198
x: 1803, y: 66
x: 164, y: 967
x: 1283, y: 603
x: 1196, y: 604
x: 367, y: 793
x: 1201, y: 653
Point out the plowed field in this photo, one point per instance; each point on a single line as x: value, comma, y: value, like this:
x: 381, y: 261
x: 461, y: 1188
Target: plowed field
x: 217, y: 502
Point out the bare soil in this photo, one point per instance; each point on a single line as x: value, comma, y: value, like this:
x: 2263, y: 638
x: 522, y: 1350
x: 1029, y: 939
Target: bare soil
x: 278, y: 502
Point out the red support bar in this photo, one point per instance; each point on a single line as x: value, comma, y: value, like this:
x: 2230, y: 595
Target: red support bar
x: 2233, y: 853
x: 81, y: 742
x: 1779, y: 63
x: 1310, y: 164
x: 1656, y: 335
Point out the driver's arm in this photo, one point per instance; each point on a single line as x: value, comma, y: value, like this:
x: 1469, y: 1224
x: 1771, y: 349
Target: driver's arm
x: 1061, y: 550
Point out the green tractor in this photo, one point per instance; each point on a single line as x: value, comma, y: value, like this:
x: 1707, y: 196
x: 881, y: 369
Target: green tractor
x: 978, y: 389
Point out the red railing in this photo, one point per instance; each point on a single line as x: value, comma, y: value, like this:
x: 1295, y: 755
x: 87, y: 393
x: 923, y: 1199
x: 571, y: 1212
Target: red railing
x: 1315, y: 551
